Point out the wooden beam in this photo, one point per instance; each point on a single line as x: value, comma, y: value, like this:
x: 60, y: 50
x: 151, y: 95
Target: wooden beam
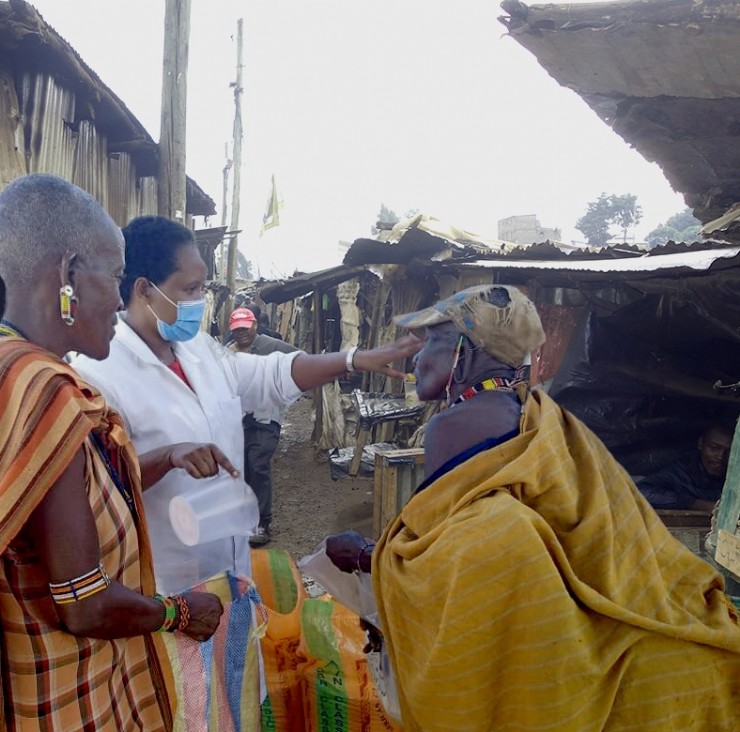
x: 171, y: 195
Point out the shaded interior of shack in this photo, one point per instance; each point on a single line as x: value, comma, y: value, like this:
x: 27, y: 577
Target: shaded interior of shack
x: 642, y: 369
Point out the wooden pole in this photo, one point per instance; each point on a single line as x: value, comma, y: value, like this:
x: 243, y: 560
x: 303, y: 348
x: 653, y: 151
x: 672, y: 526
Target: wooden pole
x: 237, y: 166
x: 224, y: 215
x: 171, y: 196
x: 318, y: 347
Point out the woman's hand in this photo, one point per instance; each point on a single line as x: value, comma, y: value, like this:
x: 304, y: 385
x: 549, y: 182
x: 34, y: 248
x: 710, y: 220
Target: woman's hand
x: 205, y: 614
x: 379, y: 359
x: 196, y: 458
x: 200, y: 460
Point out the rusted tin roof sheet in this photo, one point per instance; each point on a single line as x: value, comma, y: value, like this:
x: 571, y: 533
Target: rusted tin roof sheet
x: 302, y: 284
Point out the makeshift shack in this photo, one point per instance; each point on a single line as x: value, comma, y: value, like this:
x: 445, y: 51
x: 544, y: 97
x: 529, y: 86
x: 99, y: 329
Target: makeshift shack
x: 57, y: 116
x: 636, y: 339
x: 665, y: 76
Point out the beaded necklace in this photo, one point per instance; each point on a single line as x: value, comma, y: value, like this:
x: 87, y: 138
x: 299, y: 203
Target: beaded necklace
x: 494, y: 383
x: 8, y: 329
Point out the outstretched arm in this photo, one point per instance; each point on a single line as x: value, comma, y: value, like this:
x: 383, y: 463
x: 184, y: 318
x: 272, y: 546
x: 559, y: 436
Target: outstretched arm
x: 312, y: 370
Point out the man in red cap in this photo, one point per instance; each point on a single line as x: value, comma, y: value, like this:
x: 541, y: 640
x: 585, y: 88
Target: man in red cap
x: 261, y: 429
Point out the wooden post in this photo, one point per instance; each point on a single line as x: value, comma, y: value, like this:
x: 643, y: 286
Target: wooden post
x: 224, y: 215
x: 237, y: 167
x: 171, y: 196
x: 318, y: 340
x: 381, y: 296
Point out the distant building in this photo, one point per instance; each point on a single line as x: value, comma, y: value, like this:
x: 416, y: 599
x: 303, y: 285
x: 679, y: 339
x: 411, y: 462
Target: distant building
x: 525, y: 230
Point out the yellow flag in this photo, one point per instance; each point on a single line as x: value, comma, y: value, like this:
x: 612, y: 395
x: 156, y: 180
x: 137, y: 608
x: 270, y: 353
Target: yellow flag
x: 272, y: 210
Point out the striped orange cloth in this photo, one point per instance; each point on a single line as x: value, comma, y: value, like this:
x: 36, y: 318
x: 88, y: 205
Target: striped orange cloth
x: 51, y: 679
x: 531, y: 587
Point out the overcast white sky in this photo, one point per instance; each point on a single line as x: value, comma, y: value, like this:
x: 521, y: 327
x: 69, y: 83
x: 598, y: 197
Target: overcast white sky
x: 415, y: 103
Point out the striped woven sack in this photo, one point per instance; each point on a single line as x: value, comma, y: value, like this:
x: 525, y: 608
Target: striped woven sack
x: 283, y: 594
x: 217, y: 682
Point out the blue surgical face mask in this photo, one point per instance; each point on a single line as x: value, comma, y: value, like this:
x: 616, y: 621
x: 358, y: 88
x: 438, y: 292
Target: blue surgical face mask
x: 187, y: 323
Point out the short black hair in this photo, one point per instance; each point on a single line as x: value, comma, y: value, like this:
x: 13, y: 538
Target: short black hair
x: 256, y: 310
x: 726, y: 427
x: 152, y: 246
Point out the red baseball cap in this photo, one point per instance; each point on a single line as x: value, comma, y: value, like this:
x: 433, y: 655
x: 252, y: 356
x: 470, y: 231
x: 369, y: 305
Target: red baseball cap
x: 241, y: 318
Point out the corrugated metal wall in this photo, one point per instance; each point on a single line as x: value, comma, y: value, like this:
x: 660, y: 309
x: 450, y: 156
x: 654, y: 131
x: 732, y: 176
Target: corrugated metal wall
x: 12, y: 162
x: 39, y: 134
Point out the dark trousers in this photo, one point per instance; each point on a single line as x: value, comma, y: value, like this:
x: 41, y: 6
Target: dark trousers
x: 260, y: 443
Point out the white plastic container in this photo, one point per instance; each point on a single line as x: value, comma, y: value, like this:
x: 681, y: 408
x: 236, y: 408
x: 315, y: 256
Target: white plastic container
x: 216, y: 508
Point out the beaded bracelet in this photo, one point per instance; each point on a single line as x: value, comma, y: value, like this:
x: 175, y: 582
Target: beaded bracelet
x: 184, y: 612
x: 74, y: 590
x: 170, y: 614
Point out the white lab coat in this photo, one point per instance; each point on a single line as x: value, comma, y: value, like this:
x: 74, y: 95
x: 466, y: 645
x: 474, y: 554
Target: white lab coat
x: 160, y: 409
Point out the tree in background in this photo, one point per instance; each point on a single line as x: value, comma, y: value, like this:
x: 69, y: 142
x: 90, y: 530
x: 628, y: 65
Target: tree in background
x: 681, y: 227
x: 605, y: 212
x: 389, y: 216
x: 625, y: 213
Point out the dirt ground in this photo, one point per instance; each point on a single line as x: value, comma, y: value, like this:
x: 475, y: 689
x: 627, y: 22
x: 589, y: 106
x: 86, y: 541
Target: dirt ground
x: 307, y: 504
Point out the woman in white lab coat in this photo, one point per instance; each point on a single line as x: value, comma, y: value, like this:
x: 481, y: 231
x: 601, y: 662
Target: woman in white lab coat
x: 182, y: 394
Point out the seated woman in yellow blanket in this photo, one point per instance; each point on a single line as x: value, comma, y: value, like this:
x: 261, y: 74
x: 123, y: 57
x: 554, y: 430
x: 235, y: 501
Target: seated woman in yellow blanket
x: 527, y: 585
x: 77, y: 604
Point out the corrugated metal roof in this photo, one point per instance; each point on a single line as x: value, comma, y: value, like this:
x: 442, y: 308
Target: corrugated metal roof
x: 424, y: 242
x: 303, y: 284
x: 424, y: 238
x: 665, y: 264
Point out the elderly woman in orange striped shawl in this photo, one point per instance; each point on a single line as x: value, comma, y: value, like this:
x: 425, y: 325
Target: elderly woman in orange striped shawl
x: 527, y: 585
x: 78, y: 615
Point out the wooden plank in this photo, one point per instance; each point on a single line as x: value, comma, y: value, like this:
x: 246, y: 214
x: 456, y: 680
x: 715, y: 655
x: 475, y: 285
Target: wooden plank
x: 675, y: 517
x: 362, y: 439
x: 388, y: 499
x: 397, y: 475
x: 378, y: 492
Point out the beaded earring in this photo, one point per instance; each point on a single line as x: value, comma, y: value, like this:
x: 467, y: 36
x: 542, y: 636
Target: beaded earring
x: 67, y: 304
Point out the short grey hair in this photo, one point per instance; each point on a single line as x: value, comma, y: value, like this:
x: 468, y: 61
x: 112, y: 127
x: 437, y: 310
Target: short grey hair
x: 42, y: 217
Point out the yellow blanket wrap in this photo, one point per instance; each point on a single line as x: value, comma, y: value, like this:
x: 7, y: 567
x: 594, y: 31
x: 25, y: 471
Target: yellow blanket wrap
x: 531, y: 587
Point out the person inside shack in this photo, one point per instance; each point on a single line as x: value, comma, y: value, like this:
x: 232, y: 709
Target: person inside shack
x: 694, y: 481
